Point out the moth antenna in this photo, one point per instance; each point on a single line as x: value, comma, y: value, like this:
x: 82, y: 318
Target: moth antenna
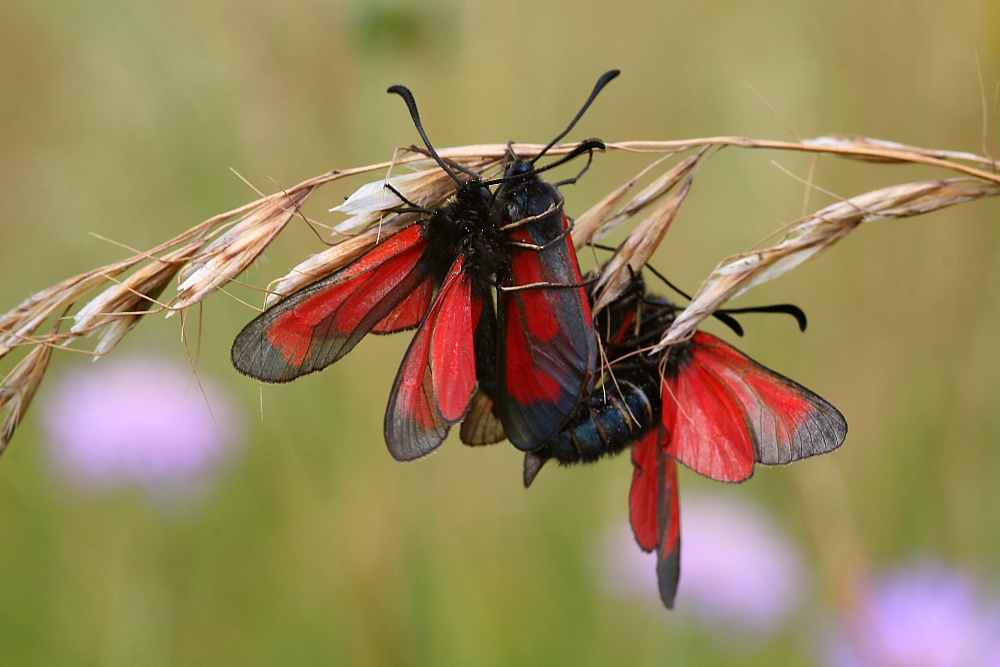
x: 411, y: 104
x: 588, y: 146
x: 454, y: 165
x: 601, y: 82
x: 786, y: 308
x: 579, y: 175
x: 669, y: 284
x: 730, y: 321
x: 726, y: 315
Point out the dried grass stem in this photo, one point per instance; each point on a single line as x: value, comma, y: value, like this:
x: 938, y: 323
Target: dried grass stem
x: 215, y: 252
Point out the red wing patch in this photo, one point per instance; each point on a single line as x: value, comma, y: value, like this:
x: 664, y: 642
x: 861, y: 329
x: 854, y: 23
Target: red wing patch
x: 548, y: 349
x: 436, y: 380
x: 726, y: 412
x: 409, y: 312
x: 644, y: 512
x: 388, y: 288
x: 654, y: 509
x: 707, y: 430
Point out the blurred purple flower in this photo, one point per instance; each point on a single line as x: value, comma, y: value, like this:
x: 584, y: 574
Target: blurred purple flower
x: 922, y: 615
x: 139, y: 420
x: 738, y: 568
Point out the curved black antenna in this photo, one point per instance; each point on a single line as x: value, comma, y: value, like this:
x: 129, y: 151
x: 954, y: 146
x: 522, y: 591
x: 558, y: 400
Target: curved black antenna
x: 601, y: 82
x: 411, y: 104
x: 669, y: 284
x: 579, y: 174
x: 454, y: 165
x: 725, y: 315
x: 785, y: 308
x: 587, y: 146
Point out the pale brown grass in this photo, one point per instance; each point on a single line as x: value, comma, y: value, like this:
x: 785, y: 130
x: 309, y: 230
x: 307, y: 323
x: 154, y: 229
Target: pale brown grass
x: 212, y: 254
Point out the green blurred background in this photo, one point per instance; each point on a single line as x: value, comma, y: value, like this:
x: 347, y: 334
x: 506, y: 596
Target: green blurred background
x: 315, y: 547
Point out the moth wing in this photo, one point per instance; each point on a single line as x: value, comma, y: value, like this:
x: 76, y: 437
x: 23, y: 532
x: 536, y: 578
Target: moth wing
x: 435, y: 382
x: 547, y: 345
x: 654, y: 509
x: 310, y: 329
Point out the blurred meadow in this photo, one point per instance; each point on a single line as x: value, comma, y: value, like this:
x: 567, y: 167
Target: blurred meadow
x: 304, y: 542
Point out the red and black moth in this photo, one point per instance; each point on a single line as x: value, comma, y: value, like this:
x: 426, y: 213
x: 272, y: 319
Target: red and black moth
x: 702, y: 403
x: 547, y: 348
x: 442, y: 264
x: 437, y: 276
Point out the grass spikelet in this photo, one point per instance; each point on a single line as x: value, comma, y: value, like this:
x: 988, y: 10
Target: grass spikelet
x: 18, y: 388
x: 233, y: 252
x: 116, y: 310
x: 210, y: 255
x: 810, y: 235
